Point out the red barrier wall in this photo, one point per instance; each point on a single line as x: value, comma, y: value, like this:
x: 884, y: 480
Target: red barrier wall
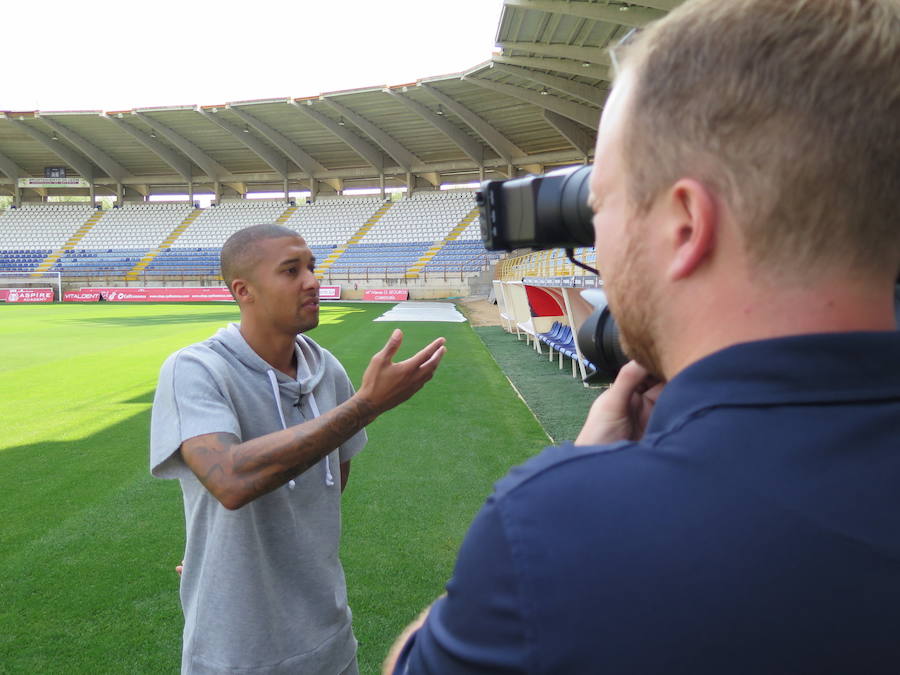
x: 160, y: 294
x: 329, y: 292
x: 26, y: 294
x: 81, y: 296
x: 170, y: 294
x: 390, y: 294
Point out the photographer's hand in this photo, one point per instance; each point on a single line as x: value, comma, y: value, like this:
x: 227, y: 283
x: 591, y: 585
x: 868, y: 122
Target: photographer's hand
x: 621, y: 412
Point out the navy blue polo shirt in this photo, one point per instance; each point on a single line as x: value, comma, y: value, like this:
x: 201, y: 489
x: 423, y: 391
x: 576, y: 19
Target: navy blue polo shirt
x: 754, y: 529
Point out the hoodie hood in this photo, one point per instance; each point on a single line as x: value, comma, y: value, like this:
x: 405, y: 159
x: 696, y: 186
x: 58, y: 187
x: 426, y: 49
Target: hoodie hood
x: 310, y: 359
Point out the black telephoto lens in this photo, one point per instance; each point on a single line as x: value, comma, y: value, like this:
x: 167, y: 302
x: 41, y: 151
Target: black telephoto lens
x: 599, y: 341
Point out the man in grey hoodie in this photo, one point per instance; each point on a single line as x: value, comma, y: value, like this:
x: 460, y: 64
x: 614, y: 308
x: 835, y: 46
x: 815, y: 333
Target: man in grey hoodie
x: 256, y: 422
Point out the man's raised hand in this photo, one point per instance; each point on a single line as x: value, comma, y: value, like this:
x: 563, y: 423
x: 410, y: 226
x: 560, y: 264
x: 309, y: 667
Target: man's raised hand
x: 386, y: 384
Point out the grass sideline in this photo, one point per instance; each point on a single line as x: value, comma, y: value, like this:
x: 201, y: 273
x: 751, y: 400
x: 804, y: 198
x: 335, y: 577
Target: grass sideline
x: 541, y: 383
x: 89, y: 539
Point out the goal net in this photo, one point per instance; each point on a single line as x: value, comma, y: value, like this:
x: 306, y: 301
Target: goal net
x: 30, y: 287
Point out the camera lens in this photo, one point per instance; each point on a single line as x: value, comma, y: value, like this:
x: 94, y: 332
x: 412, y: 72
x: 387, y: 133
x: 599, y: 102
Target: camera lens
x: 575, y: 213
x: 599, y: 340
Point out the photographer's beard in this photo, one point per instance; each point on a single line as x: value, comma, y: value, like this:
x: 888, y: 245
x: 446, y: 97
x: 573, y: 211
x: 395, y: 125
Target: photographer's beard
x: 633, y: 301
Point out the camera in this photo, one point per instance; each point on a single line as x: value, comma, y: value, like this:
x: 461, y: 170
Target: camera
x: 551, y: 211
x: 538, y: 212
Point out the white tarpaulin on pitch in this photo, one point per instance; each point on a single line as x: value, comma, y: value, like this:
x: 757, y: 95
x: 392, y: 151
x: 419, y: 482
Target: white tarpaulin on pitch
x: 423, y: 311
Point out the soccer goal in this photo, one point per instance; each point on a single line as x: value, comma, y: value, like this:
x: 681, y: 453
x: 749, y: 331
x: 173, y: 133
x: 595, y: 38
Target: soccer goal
x: 30, y: 287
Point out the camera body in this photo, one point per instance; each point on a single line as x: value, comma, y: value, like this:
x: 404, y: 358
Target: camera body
x: 537, y: 212
x: 551, y: 211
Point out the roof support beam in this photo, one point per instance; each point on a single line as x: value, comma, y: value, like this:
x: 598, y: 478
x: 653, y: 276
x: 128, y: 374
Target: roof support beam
x: 464, y: 142
x: 631, y: 16
x: 78, y: 162
x: 404, y: 158
x: 337, y: 184
x: 239, y: 188
x: 274, y: 159
x: 580, y: 138
x: 178, y: 162
x: 213, y: 169
x: 663, y: 5
x: 582, y: 114
x: 91, y: 151
x: 10, y: 168
x: 566, y: 156
x: 588, y: 94
x: 558, y: 65
x: 293, y: 151
x: 359, y: 145
x: 504, y: 147
x: 593, y: 55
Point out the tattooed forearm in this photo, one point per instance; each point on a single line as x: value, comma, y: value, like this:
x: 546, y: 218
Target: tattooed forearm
x: 237, y: 473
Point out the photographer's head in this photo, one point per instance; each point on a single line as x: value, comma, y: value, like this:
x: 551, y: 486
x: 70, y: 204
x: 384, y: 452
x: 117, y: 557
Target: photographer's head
x: 747, y: 161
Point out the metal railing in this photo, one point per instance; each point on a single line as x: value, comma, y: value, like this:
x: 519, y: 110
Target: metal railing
x: 208, y: 276
x: 550, y: 263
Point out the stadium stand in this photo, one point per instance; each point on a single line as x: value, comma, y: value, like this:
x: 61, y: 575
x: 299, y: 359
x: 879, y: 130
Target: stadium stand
x: 425, y: 217
x: 411, y: 235
x: 464, y: 254
x: 32, y: 237
x: 195, y: 252
x: 436, y: 232
x: 117, y: 242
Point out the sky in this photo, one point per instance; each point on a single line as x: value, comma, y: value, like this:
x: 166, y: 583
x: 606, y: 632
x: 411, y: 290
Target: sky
x: 120, y: 55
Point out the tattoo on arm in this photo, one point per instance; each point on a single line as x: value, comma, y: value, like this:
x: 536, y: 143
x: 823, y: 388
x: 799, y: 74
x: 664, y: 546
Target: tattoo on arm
x: 236, y: 473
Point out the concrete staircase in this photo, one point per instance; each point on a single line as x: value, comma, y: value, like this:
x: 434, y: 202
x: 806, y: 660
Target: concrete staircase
x: 284, y: 217
x: 322, y: 267
x: 416, y: 267
x: 51, y: 259
x: 150, y: 255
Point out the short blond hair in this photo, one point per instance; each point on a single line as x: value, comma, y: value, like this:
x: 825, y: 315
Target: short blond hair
x: 790, y: 111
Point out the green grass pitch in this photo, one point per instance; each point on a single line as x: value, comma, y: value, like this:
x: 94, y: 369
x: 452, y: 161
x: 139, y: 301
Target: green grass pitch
x: 89, y: 540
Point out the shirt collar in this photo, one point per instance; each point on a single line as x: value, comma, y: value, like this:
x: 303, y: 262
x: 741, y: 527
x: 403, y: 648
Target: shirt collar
x: 802, y: 369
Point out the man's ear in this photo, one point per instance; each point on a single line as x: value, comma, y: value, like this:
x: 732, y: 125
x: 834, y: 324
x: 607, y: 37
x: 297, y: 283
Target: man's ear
x: 241, y: 291
x: 692, y: 227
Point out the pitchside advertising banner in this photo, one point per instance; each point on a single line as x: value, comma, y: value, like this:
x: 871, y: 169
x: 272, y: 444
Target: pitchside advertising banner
x: 81, y: 296
x: 388, y: 294
x: 158, y: 294
x: 26, y: 295
x: 329, y: 292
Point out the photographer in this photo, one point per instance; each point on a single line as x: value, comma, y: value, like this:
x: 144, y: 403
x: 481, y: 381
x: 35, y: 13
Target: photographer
x: 744, y: 518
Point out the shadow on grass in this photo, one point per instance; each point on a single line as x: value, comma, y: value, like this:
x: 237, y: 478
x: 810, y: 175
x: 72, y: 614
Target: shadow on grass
x: 87, y: 550
x: 559, y: 401
x: 144, y: 320
x: 146, y: 397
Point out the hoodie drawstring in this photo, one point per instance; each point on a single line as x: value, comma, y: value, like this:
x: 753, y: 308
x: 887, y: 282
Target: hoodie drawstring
x: 329, y: 479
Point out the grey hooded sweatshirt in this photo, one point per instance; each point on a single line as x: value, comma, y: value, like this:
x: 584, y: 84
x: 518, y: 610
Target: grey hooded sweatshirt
x: 263, y: 589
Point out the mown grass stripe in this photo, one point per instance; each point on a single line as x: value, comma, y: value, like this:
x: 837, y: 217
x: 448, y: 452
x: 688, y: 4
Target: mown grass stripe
x: 89, y: 540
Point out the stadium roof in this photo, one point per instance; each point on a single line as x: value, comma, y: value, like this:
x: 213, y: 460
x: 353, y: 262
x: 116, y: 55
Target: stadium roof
x: 534, y: 105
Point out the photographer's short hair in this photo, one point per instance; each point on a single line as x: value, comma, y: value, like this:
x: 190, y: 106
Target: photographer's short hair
x: 790, y: 110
